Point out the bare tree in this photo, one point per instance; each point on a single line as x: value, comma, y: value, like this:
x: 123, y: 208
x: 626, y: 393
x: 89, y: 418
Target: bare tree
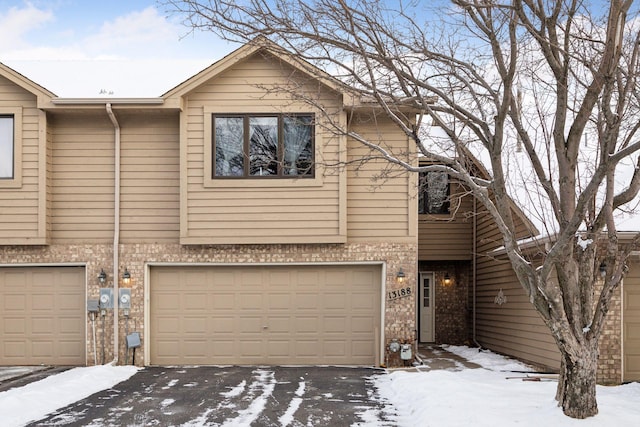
x: 553, y: 79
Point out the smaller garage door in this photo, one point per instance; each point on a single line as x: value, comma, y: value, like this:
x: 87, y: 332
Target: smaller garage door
x: 265, y: 315
x: 42, y: 317
x: 631, y: 332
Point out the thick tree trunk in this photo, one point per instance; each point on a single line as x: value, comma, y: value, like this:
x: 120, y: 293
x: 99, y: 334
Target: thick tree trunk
x: 577, y: 384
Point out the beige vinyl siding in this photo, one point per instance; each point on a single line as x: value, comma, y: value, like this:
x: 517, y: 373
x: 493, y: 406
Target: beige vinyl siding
x: 82, y: 178
x: 22, y: 209
x: 448, y: 237
x: 377, y: 204
x: 515, y: 327
x: 150, y: 177
x: 631, y: 322
x: 255, y: 210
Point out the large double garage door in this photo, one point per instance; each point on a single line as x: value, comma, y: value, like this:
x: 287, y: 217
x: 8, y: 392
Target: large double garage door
x: 42, y: 315
x: 264, y: 314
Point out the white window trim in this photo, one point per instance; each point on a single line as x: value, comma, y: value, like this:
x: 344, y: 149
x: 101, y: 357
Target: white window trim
x: 16, y: 181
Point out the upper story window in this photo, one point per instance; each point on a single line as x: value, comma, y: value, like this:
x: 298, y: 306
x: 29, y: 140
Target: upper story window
x: 254, y: 145
x: 434, y: 193
x: 6, y: 147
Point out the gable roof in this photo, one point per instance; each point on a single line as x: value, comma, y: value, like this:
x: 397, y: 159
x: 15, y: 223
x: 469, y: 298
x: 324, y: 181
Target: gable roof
x: 247, y: 50
x: 23, y: 82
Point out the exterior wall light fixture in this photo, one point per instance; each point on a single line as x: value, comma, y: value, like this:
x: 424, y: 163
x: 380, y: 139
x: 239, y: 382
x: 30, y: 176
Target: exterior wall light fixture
x: 602, y: 270
x: 400, y: 276
x: 447, y: 279
x: 102, y: 277
x: 126, y: 277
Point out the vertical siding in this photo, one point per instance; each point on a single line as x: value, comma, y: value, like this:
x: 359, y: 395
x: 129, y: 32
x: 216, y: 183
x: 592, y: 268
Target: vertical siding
x: 448, y: 237
x: 82, y: 178
x: 150, y: 177
x: 515, y: 327
x: 20, y: 198
x: 257, y: 210
x: 377, y: 192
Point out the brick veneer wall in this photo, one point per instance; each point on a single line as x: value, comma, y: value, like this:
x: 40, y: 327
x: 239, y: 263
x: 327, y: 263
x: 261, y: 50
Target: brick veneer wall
x: 451, y: 302
x: 610, y: 345
x: 400, y: 318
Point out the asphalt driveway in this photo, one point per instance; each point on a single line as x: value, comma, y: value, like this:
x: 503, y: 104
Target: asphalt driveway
x: 232, y: 396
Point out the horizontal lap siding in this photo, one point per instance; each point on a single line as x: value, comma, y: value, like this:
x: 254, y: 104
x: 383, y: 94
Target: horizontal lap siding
x: 82, y: 178
x: 19, y: 206
x: 514, y: 327
x: 253, y: 210
x: 447, y: 237
x: 150, y: 177
x: 631, y: 322
x: 378, y: 205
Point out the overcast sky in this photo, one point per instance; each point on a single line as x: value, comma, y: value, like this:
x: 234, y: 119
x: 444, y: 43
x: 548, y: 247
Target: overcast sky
x: 123, y: 48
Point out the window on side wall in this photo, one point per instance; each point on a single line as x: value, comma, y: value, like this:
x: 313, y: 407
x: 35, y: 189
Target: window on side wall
x: 7, y: 147
x: 434, y: 193
x: 263, y: 146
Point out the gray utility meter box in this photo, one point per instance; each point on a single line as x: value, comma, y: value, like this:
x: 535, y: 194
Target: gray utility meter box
x: 124, y: 301
x: 133, y: 340
x: 405, y: 352
x: 106, y: 298
x: 92, y: 305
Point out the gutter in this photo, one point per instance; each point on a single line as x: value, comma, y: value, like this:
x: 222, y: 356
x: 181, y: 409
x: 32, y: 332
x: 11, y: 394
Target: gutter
x: 108, y: 101
x: 116, y: 232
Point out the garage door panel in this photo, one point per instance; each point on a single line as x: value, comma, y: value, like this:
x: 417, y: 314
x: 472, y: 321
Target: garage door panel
x: 14, y: 326
x: 42, y: 326
x: 43, y: 319
x: 42, y: 349
x: 223, y: 348
x: 279, y: 301
x: 14, y: 350
x: 361, y: 348
x: 195, y: 325
x: 223, y: 301
x: 278, y: 348
x: 267, y: 314
x: 306, y: 324
x: 69, y: 349
x: 14, y: 302
x: 250, y: 348
x: 335, y: 301
x: 336, y: 279
x: 334, y: 324
x: 222, y: 324
x: 251, y: 301
x: 335, y: 349
x: 363, y: 301
x: 167, y: 302
x: 361, y: 324
x: 307, y: 301
x: 276, y: 324
x: 195, y: 302
x: 167, y: 325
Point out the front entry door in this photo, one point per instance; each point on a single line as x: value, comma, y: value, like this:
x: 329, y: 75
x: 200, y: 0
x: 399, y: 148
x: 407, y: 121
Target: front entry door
x: 426, y: 285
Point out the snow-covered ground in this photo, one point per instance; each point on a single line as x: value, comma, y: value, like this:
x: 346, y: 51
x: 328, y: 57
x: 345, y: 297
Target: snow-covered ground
x: 485, y: 397
x: 478, y: 397
x: 21, y: 405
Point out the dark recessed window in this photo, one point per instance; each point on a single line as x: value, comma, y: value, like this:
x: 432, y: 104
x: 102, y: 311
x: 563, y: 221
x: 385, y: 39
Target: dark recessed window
x: 434, y: 192
x: 7, y: 147
x: 263, y: 146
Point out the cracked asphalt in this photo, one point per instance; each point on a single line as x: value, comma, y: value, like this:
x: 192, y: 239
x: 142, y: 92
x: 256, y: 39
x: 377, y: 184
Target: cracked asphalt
x: 232, y: 396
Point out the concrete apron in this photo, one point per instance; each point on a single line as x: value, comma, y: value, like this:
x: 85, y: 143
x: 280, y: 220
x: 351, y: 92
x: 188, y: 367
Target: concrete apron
x: 433, y: 357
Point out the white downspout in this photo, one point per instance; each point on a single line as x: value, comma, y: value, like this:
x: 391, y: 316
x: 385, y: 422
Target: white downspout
x: 116, y: 232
